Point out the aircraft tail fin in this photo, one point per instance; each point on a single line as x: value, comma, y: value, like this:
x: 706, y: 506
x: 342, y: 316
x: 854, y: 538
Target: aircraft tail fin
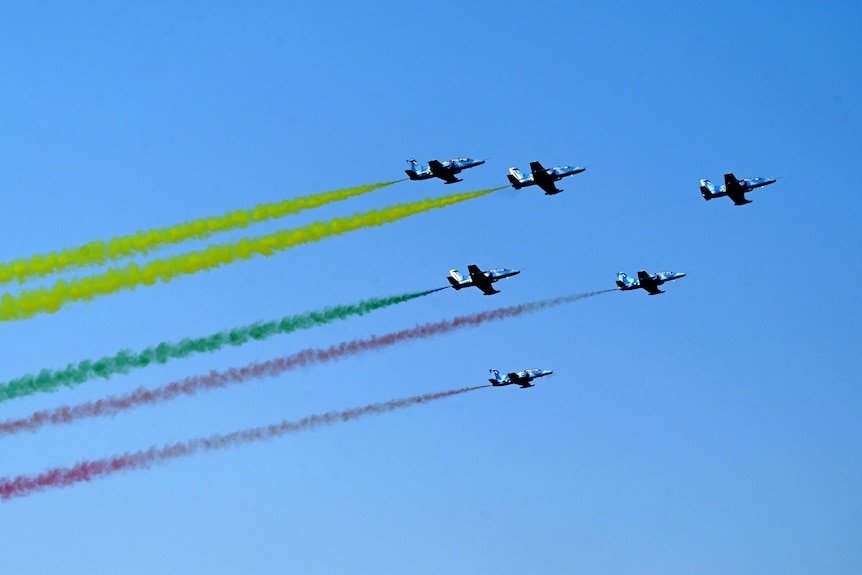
x: 515, y: 178
x: 497, y: 380
x: 623, y: 281
x: 414, y: 169
x: 707, y: 190
x: 455, y: 279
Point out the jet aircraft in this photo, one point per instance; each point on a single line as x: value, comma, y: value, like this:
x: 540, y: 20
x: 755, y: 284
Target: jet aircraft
x: 480, y: 279
x: 522, y: 378
x: 649, y: 282
x: 444, y: 170
x: 542, y: 177
x: 733, y: 188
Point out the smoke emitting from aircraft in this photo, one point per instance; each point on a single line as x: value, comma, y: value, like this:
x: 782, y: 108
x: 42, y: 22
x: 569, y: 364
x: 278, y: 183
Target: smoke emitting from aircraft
x: 217, y: 379
x: 88, y: 470
x: 126, y: 360
x: 143, y: 242
x: 51, y: 299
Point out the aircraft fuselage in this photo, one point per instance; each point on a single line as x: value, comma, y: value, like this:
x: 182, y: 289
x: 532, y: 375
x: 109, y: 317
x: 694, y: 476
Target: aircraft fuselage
x: 522, y: 378
x: 648, y: 282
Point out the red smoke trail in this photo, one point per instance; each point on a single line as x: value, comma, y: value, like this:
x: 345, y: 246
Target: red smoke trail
x: 217, y: 379
x: 24, y: 485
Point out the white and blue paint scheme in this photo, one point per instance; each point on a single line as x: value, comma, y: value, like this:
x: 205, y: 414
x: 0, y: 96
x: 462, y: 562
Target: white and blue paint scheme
x: 733, y: 188
x: 444, y: 170
x: 522, y: 378
x: 480, y: 279
x: 542, y: 177
x: 649, y: 282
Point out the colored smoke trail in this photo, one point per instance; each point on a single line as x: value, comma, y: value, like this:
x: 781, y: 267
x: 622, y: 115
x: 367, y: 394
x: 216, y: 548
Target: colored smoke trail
x: 218, y: 379
x: 49, y: 300
x: 86, y: 471
x: 142, y: 242
x: 125, y: 361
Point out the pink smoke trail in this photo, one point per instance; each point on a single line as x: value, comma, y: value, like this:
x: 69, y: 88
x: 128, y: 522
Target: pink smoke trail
x: 217, y: 379
x: 86, y: 471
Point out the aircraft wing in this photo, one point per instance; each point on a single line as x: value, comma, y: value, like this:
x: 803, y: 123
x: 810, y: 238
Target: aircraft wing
x: 486, y: 288
x: 730, y: 180
x: 547, y: 185
x: 480, y: 280
x: 543, y: 179
x: 524, y: 382
x: 443, y: 173
x: 647, y: 282
x: 734, y: 190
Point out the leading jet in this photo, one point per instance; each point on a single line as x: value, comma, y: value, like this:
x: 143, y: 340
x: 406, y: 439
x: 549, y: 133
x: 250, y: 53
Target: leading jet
x: 522, y: 378
x: 733, y: 188
x: 444, y: 170
x: 542, y: 177
x: 480, y: 279
x: 649, y: 282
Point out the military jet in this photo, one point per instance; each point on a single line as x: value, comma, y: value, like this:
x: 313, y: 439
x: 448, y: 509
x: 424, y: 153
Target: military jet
x: 647, y: 281
x: 522, y: 378
x: 733, y: 188
x: 444, y: 170
x: 480, y: 279
x: 542, y: 177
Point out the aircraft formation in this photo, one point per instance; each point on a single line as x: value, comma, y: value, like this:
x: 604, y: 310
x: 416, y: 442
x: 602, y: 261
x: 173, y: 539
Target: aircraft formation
x: 29, y: 302
x: 545, y: 179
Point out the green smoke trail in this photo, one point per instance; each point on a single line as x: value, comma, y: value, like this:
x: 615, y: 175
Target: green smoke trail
x: 126, y: 360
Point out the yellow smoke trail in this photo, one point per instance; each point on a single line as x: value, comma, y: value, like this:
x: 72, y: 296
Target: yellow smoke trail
x: 51, y: 299
x: 142, y: 242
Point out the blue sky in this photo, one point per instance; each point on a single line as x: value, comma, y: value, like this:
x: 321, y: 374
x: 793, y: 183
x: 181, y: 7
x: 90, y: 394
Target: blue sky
x: 711, y: 429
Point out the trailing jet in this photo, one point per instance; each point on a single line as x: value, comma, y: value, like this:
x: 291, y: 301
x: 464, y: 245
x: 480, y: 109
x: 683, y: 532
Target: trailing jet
x: 542, y: 177
x: 444, y: 170
x: 522, y: 378
x: 733, y: 188
x: 480, y: 279
x: 647, y: 281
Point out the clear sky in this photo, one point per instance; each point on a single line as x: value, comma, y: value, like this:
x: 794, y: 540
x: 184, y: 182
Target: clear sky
x: 712, y: 429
